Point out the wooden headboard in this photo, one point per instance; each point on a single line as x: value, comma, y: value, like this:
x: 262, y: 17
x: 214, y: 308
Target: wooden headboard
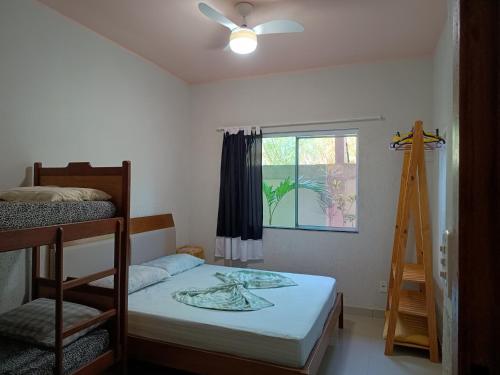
x: 150, y: 223
x: 113, y: 180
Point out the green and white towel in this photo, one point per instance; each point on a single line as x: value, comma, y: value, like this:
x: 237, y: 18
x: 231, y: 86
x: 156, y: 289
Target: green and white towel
x: 252, y: 279
x: 234, y: 295
x: 231, y: 297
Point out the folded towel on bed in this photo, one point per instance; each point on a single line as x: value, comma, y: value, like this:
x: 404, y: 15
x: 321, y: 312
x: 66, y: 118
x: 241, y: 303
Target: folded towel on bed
x: 232, y: 297
x: 252, y: 279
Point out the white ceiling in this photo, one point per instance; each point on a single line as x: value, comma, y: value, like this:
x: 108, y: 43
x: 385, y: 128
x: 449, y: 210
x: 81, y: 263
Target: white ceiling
x: 176, y: 36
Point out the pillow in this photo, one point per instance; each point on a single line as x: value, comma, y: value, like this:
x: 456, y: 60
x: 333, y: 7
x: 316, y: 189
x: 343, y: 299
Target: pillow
x: 53, y: 194
x: 176, y: 263
x: 34, y: 322
x: 139, y: 277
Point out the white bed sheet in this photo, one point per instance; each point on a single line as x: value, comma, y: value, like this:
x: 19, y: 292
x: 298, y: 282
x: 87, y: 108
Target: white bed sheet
x: 283, y: 334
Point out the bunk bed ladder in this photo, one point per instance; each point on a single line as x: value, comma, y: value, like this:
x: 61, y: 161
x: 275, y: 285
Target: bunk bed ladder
x: 70, y: 283
x: 410, y: 312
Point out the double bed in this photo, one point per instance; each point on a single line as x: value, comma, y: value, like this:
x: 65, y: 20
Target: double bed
x: 284, y: 334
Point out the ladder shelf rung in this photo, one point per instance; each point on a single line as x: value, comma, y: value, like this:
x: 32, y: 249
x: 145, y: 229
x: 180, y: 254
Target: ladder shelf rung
x: 412, y: 303
x: 410, y: 331
x: 414, y: 272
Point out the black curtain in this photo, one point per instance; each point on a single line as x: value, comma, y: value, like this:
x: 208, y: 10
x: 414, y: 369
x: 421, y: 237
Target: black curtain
x: 240, y: 196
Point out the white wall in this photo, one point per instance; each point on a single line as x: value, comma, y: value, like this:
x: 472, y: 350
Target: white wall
x: 401, y: 91
x: 442, y: 119
x: 446, y: 172
x: 67, y: 94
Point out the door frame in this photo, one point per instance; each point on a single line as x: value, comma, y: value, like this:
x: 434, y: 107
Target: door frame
x: 479, y: 188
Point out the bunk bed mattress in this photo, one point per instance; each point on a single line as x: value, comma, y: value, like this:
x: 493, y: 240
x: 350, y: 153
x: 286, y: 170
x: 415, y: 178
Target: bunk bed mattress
x: 284, y: 334
x: 21, y: 358
x: 20, y: 215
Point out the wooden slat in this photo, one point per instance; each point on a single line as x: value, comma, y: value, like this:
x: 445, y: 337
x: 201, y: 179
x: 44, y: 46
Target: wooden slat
x: 35, y: 271
x: 89, y: 322
x: 412, y: 303
x: 414, y: 273
x: 410, y: 331
x: 41, y: 236
x: 99, y: 298
x: 87, y: 279
x: 58, y: 346
x: 97, y: 366
x: 427, y: 260
x: 397, y: 228
x: 410, y: 174
x: 150, y: 223
x: 138, y: 225
x: 86, y: 229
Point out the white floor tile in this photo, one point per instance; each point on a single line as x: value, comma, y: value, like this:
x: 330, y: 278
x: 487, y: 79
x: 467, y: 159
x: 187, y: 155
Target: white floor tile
x: 358, y: 349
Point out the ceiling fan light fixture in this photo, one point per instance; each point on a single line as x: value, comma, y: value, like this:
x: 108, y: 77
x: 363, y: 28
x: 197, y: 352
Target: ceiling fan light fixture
x: 243, y: 41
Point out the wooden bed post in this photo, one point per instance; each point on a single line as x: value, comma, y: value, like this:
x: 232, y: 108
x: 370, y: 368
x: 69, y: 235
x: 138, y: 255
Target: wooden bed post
x: 116, y: 282
x: 125, y: 261
x: 35, y: 250
x: 58, y: 347
x: 341, y: 315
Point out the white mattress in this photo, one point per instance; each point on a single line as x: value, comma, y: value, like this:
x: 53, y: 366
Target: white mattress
x: 283, y: 334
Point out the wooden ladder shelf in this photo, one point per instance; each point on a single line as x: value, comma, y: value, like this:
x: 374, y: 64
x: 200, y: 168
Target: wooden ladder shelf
x: 410, y: 318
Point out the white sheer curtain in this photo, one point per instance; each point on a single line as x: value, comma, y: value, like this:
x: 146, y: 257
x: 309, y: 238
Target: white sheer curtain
x: 236, y: 249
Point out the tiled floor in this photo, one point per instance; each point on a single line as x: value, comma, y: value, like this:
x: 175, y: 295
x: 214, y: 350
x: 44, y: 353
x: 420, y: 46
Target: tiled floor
x: 358, y: 349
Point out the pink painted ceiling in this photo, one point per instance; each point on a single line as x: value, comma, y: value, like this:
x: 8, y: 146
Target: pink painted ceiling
x: 176, y: 36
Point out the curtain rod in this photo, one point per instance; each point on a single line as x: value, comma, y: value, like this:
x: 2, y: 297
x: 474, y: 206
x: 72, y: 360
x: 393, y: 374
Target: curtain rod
x: 346, y: 120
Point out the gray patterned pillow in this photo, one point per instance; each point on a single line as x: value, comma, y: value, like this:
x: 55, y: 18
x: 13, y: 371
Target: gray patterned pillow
x: 34, y: 322
x: 139, y: 277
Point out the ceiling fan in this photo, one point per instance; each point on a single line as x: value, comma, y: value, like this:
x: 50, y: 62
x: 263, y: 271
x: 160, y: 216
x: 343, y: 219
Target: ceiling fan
x: 243, y: 39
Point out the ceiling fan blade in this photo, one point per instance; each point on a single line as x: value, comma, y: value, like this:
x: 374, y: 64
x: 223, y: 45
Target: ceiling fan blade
x: 216, y: 16
x: 278, y: 27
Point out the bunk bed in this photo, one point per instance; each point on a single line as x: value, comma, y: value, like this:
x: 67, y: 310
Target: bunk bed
x: 33, y: 228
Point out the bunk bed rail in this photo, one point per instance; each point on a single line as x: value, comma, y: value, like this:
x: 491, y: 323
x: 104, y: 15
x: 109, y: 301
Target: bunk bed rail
x: 42, y: 236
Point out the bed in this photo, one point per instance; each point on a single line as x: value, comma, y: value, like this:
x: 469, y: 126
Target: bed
x: 289, y: 338
x: 20, y: 358
x: 56, y: 224
x: 284, y: 334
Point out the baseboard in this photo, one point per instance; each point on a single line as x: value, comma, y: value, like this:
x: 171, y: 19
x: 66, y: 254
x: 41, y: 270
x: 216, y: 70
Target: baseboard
x: 363, y: 311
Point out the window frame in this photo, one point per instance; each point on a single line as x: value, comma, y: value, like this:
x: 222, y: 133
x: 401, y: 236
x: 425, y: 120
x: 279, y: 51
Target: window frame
x: 304, y: 134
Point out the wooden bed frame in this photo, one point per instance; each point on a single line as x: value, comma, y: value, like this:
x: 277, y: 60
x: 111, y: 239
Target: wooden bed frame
x: 113, y: 302
x: 209, y: 362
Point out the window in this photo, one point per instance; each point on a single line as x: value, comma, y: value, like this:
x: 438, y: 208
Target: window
x: 310, y: 180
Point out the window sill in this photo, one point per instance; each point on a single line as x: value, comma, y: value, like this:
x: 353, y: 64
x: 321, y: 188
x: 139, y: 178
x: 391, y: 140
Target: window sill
x: 317, y: 229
